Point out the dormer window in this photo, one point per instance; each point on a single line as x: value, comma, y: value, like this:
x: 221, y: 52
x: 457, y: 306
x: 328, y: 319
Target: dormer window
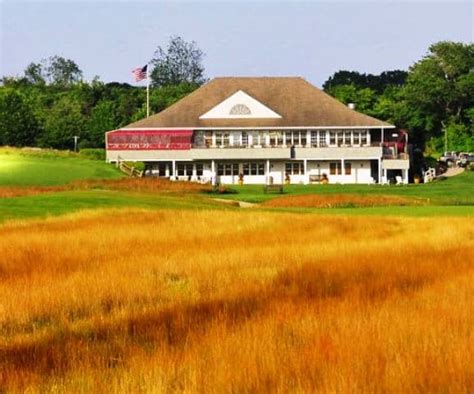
x: 240, y: 109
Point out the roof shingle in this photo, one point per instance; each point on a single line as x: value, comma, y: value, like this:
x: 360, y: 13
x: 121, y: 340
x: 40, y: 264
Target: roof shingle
x: 298, y: 102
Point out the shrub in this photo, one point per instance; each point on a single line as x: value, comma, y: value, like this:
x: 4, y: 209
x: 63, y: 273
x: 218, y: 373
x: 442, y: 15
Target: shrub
x: 93, y: 154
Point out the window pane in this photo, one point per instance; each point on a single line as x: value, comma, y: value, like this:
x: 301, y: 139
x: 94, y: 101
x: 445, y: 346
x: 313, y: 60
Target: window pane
x: 339, y: 138
x: 347, y: 168
x: 253, y: 168
x: 261, y: 169
x: 220, y: 169
x: 303, y: 136
x: 332, y: 168
x: 246, y: 169
x: 235, y: 169
x: 332, y: 138
x: 199, y: 169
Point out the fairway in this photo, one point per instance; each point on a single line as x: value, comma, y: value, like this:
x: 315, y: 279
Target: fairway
x: 19, y: 168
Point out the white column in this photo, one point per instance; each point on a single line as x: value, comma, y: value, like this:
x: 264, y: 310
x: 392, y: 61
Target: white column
x: 342, y: 170
x: 268, y: 172
x: 213, y: 172
x: 231, y: 139
x: 174, y: 170
x: 381, y: 136
x: 352, y: 137
x: 213, y: 137
x: 380, y: 171
x: 250, y: 138
x: 405, y: 176
x: 305, y: 169
x: 367, y: 133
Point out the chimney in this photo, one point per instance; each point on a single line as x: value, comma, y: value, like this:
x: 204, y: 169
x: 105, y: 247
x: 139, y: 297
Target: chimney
x: 351, y: 105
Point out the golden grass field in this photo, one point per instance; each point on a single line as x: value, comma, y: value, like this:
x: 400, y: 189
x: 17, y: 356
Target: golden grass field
x: 341, y: 200
x: 236, y: 301
x: 147, y: 185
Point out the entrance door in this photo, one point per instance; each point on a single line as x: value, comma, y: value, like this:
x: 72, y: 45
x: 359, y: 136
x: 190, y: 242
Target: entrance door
x: 164, y: 169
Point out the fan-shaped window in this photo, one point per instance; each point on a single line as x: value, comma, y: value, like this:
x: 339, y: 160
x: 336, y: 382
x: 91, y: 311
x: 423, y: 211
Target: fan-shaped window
x: 240, y: 109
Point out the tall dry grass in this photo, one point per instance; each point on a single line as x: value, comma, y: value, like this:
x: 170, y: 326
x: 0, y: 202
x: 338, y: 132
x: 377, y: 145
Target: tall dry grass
x: 144, y: 185
x: 341, y: 200
x: 236, y: 302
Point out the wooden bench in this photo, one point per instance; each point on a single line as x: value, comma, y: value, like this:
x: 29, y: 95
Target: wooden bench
x: 273, y: 189
x: 315, y: 178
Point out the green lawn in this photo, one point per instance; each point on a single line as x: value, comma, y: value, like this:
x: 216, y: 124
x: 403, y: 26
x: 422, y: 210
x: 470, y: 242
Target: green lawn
x: 19, y: 168
x: 458, y: 190
x: 451, y: 197
x: 52, y: 204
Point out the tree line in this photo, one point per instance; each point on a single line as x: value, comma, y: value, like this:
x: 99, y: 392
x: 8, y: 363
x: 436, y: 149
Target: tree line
x: 50, y: 103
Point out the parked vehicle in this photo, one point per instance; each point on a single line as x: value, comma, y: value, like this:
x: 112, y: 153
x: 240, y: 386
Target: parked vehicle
x: 465, y: 160
x: 449, y: 158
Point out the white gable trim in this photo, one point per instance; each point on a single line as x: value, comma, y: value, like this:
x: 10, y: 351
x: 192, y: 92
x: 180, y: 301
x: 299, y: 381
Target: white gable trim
x: 240, y: 106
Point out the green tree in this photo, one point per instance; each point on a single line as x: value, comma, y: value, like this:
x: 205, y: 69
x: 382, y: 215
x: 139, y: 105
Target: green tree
x: 18, y: 124
x: 63, y: 72
x: 102, y: 119
x: 63, y: 121
x: 363, y: 98
x: 180, y: 62
x: 54, y: 70
x: 440, y: 91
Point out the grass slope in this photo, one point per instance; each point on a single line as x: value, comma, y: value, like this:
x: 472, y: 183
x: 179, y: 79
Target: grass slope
x: 20, y: 168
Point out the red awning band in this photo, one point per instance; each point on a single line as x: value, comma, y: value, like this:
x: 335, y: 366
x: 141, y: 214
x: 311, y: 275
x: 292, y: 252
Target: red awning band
x: 149, y: 140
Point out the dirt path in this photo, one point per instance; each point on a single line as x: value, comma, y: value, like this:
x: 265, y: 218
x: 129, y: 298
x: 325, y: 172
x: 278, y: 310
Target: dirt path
x: 241, y: 204
x: 453, y: 171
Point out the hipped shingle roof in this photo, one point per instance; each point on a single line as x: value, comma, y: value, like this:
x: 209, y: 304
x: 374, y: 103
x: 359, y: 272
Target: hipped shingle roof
x: 296, y: 100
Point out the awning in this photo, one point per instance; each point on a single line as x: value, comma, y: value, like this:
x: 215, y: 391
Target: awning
x: 130, y: 139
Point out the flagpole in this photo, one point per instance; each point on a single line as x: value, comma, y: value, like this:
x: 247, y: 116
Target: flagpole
x: 147, y: 92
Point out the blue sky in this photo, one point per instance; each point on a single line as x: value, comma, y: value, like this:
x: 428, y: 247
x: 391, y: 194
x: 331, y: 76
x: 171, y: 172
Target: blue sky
x: 308, y: 39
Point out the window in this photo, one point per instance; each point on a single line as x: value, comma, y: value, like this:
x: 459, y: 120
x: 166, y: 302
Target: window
x: 318, y: 138
x: 276, y: 138
x: 340, y: 137
x: 356, y: 137
x: 208, y: 139
x: 184, y: 169
x: 227, y: 169
x: 332, y: 138
x: 335, y: 168
x: 347, y: 138
x: 199, y: 169
x: 240, y: 109
x: 245, y: 138
x: 296, y: 138
x: 254, y: 168
x: 322, y: 138
x: 222, y: 139
x: 363, y: 137
x: 347, y: 168
x: 294, y: 168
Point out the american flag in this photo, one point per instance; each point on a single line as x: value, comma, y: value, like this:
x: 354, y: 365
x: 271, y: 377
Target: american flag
x: 140, y: 73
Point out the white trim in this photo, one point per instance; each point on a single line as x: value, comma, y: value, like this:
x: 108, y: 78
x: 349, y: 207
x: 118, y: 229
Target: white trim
x: 256, y: 109
x: 217, y: 128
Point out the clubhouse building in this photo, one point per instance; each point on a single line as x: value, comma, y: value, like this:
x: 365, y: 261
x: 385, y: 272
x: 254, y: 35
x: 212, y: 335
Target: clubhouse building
x: 260, y: 131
